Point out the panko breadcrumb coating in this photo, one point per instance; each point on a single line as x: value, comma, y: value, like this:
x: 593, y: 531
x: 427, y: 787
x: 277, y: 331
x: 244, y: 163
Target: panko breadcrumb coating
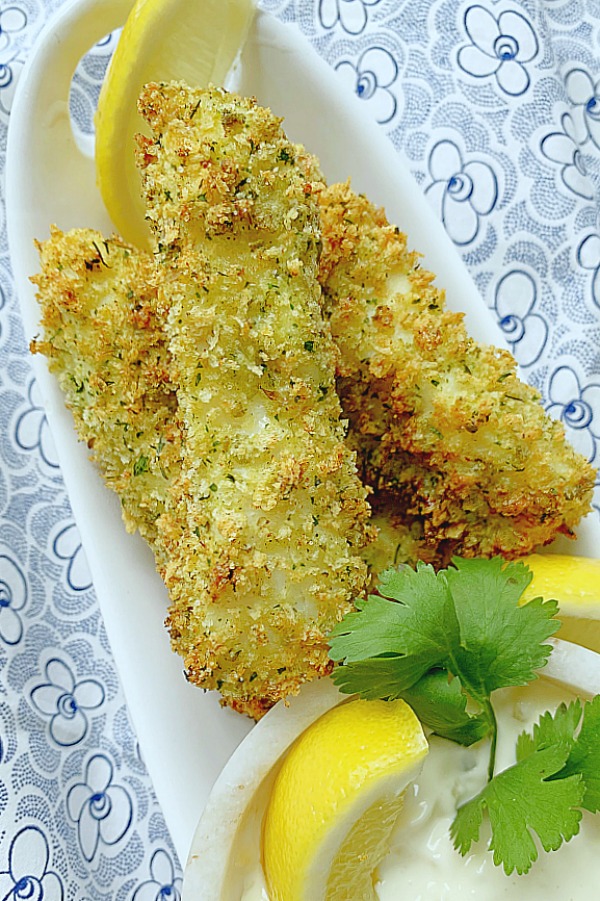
x: 103, y: 341
x: 107, y: 347
x: 442, y: 424
x: 245, y: 491
x: 267, y: 515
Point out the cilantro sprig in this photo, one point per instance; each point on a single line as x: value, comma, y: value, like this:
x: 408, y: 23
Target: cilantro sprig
x: 556, y: 774
x: 445, y: 642
x: 463, y: 623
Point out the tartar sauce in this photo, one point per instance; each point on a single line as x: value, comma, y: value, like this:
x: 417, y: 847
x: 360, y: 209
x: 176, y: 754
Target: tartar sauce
x: 422, y: 864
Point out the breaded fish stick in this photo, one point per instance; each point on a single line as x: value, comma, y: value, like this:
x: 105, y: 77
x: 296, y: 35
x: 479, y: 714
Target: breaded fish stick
x: 106, y: 344
x: 268, y: 515
x: 107, y: 347
x: 122, y: 355
x: 442, y: 424
x: 103, y: 341
x: 246, y: 492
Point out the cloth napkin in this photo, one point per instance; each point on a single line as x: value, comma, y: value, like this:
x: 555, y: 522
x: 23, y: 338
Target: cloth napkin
x: 495, y: 107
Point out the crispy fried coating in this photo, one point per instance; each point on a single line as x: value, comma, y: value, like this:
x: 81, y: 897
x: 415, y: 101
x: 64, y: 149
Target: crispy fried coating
x: 443, y: 425
x: 203, y: 382
x: 267, y: 515
x: 114, y: 372
x: 103, y: 340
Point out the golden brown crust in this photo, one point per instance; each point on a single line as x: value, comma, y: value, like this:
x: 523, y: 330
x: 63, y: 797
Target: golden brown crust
x: 203, y: 381
x: 267, y: 515
x: 103, y: 340
x: 440, y: 422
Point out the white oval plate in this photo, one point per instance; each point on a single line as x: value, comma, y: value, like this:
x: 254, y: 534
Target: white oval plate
x: 184, y: 735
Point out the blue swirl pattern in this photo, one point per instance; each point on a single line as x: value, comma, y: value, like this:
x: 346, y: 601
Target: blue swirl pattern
x: 13, y: 597
x: 516, y: 302
x: 351, y: 16
x: 500, y: 45
x: 495, y: 106
x: 102, y: 809
x: 462, y: 192
x: 373, y: 78
x: 66, y: 701
x: 28, y: 874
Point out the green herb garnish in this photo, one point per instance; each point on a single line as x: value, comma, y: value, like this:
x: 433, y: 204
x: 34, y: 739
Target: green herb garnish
x: 557, y: 773
x: 140, y: 465
x: 445, y: 642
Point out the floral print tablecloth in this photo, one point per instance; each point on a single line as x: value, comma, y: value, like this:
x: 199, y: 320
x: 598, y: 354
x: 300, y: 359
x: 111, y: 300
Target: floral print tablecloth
x: 495, y: 106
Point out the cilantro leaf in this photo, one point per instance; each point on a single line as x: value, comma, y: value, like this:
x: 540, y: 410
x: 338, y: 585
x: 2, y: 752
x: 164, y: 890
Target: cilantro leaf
x: 465, y: 619
x: 521, y: 800
x: 378, y: 678
x: 501, y: 643
x: 585, y: 755
x: 551, y: 729
x: 441, y: 704
x: 584, y: 748
x: 396, y: 637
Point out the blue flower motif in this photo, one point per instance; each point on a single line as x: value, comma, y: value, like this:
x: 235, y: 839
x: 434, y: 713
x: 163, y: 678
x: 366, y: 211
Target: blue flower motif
x: 13, y: 597
x: 9, y: 72
x: 67, y: 546
x: 579, y: 409
x: 12, y: 20
x: 584, y: 94
x: 499, y: 47
x: 525, y: 331
x: 351, y: 14
x: 461, y: 192
x: 164, y: 885
x: 65, y: 701
x: 562, y: 147
x: 103, y: 811
x: 28, y: 876
x: 32, y: 431
x: 588, y: 257
x: 372, y: 78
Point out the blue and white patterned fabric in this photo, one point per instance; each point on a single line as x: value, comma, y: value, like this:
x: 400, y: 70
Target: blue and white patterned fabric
x: 495, y: 105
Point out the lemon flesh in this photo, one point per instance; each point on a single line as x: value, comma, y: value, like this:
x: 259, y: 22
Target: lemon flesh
x: 336, y: 799
x: 195, y: 41
x: 575, y: 583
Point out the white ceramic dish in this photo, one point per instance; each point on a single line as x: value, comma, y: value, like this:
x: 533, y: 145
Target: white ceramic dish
x: 49, y: 179
x: 218, y: 856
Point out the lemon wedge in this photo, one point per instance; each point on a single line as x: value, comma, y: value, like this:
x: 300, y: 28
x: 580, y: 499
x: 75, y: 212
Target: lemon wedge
x: 335, y: 800
x: 163, y: 40
x: 575, y: 583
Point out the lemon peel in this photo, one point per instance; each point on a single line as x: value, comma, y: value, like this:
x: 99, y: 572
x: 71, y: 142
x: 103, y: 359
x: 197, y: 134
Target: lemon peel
x: 575, y: 583
x: 162, y: 40
x: 336, y: 799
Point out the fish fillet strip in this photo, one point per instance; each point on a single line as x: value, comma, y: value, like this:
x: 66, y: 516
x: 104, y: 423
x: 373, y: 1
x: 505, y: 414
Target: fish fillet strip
x: 104, y: 342
x: 442, y: 424
x: 203, y: 384
x: 267, y: 515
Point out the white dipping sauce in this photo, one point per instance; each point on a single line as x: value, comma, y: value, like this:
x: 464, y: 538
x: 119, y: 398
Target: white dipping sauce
x: 422, y: 864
